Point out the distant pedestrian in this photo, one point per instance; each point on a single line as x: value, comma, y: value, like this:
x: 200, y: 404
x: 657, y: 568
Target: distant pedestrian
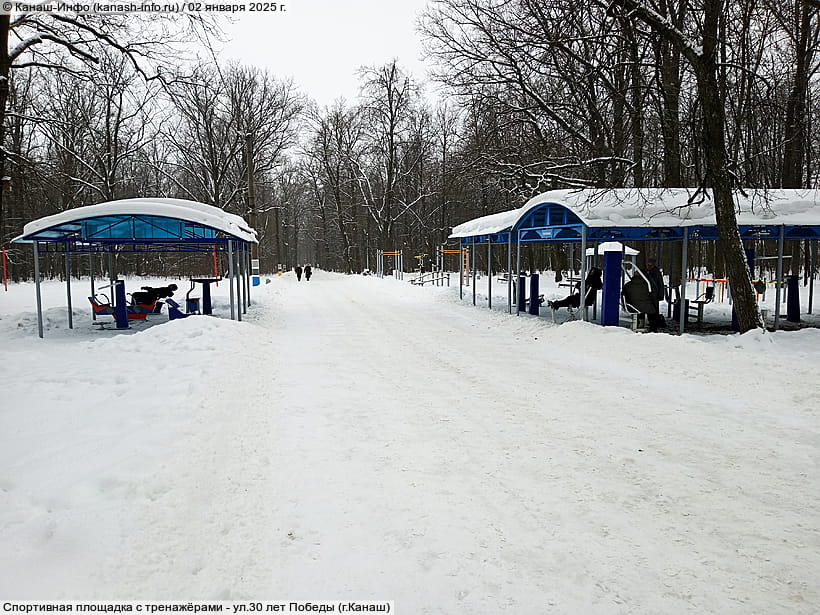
x: 298, y: 271
x: 308, y: 272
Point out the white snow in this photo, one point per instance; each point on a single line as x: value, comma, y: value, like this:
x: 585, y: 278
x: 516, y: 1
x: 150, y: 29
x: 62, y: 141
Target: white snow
x: 612, y: 246
x: 659, y: 208
x: 364, y: 438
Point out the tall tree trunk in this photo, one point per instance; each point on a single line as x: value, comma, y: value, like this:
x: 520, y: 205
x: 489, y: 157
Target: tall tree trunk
x: 796, y: 113
x: 670, y: 84
x: 5, y: 69
x: 713, y: 141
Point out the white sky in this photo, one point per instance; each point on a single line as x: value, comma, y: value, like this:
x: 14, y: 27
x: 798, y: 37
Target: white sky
x: 323, y: 43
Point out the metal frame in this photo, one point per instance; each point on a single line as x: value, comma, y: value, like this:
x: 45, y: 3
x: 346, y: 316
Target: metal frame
x: 551, y: 222
x: 74, y: 238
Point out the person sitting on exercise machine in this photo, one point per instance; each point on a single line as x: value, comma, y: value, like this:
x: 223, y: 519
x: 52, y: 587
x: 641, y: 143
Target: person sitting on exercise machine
x: 593, y: 285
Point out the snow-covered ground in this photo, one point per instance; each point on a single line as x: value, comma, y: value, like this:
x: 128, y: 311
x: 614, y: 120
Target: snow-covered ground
x: 363, y: 438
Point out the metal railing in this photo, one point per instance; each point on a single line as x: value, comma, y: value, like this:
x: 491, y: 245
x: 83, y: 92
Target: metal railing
x: 436, y: 277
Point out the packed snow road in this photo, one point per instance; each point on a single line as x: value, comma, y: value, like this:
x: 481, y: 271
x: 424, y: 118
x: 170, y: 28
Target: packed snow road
x: 365, y: 439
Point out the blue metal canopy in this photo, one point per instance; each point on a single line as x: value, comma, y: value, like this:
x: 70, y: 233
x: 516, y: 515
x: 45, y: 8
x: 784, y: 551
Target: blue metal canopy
x: 142, y: 225
x: 645, y: 214
x: 147, y: 221
x: 603, y: 215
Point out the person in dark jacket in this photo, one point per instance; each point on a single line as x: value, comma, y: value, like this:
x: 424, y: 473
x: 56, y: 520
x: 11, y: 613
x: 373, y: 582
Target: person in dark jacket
x: 640, y: 296
x: 298, y: 271
x: 593, y: 285
x: 655, y: 277
x: 308, y: 272
x: 150, y: 294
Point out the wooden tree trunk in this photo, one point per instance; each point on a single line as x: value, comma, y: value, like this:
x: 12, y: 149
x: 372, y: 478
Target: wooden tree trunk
x: 5, y: 68
x: 796, y: 113
x: 730, y: 244
x: 670, y: 84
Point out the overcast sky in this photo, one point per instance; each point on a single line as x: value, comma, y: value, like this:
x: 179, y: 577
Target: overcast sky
x: 322, y: 43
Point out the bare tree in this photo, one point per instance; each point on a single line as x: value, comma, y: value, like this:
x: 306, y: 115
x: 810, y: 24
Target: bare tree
x: 800, y: 23
x: 217, y: 111
x: 96, y: 126
x: 65, y: 41
x: 703, y: 57
x: 389, y: 159
x: 568, y: 116
x: 334, y: 154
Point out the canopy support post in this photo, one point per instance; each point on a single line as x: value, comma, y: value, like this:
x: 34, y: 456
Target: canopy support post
x: 472, y: 253
x: 91, y: 273
x: 248, y: 271
x: 780, y: 241
x: 671, y: 266
x: 460, y: 270
x: 518, y: 275
x: 245, y: 280
x: 812, y: 267
x: 68, y: 288
x: 243, y: 276
x: 683, y: 311
x: 509, y: 271
x: 583, y: 298
x: 111, y: 275
x: 490, y: 272
x: 230, y: 275
x: 37, y: 288
x: 238, y: 282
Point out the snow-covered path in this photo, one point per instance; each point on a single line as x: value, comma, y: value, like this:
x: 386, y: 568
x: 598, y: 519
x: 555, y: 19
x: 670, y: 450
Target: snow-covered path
x: 365, y: 439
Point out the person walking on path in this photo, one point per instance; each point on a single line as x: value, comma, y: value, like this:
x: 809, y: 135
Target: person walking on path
x: 298, y: 270
x: 308, y: 272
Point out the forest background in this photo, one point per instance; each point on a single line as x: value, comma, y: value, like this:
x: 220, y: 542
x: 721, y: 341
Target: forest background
x: 533, y: 95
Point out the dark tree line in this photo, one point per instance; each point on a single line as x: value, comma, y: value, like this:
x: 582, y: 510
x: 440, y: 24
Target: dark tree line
x: 91, y: 129
x: 538, y: 95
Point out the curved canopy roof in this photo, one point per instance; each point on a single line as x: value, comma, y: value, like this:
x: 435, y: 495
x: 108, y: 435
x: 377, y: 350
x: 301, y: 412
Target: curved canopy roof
x: 143, y: 220
x: 644, y: 214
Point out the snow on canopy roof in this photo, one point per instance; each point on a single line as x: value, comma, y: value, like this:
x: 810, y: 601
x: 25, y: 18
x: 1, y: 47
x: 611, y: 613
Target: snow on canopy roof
x: 658, y: 208
x: 612, y: 246
x: 67, y: 223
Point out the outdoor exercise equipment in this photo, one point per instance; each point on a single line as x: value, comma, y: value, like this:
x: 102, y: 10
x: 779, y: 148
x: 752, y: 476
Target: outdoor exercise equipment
x: 398, y: 263
x: 121, y: 310
x: 139, y: 226
x: 646, y: 214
